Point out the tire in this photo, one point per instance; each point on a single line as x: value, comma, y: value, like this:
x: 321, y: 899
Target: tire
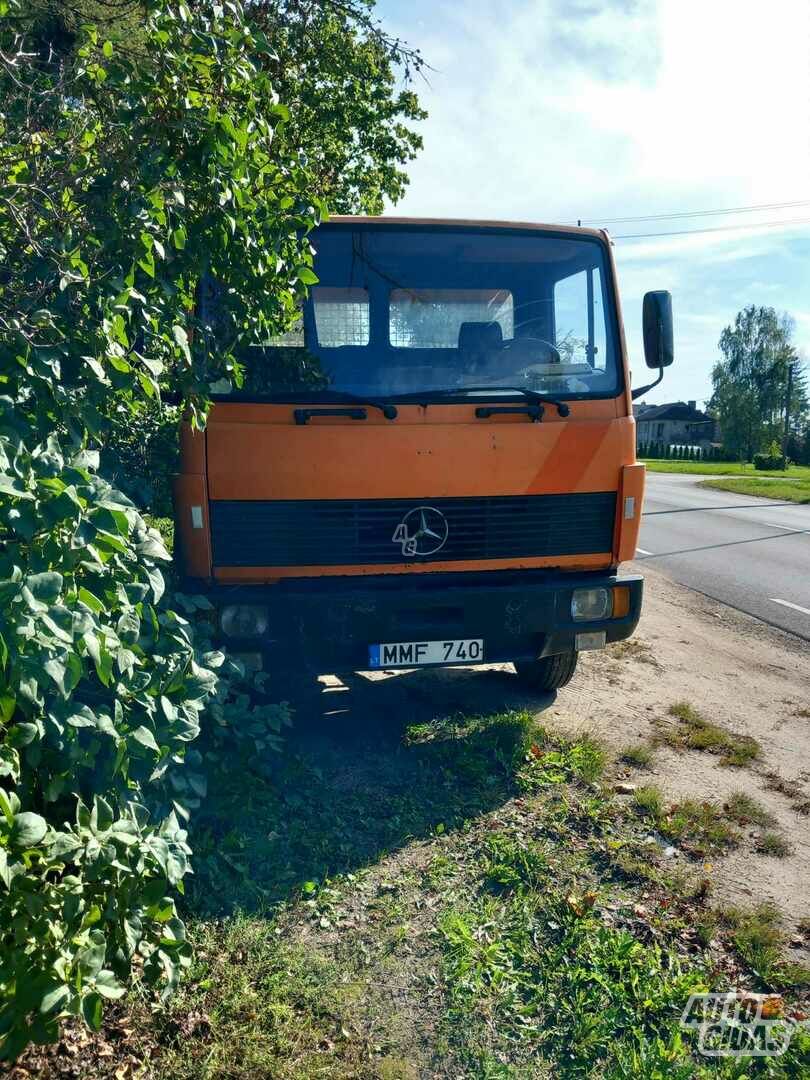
x: 549, y: 672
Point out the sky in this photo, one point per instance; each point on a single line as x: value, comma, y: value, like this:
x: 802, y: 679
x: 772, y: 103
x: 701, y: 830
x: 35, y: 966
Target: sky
x: 559, y: 110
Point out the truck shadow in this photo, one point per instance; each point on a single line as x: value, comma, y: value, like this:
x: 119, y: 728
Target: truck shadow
x: 371, y: 765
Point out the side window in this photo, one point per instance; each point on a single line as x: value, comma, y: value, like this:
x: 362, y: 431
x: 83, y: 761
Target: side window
x: 579, y: 319
x: 341, y: 316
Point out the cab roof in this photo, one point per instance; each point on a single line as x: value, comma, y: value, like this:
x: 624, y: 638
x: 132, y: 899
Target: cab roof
x: 528, y: 226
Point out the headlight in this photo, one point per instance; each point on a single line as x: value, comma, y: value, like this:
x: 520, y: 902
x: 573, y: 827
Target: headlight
x: 243, y: 620
x: 587, y: 605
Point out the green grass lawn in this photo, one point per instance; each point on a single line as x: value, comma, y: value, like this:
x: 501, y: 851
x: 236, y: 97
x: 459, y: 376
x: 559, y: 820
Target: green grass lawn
x: 448, y: 897
x: 793, y: 485
x: 723, y: 468
x: 785, y: 490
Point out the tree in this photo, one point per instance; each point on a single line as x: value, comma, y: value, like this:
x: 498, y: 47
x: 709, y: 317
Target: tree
x: 345, y: 81
x: 750, y: 382
x: 121, y: 185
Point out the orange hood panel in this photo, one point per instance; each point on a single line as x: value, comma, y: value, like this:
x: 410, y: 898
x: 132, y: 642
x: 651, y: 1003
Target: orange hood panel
x: 257, y: 452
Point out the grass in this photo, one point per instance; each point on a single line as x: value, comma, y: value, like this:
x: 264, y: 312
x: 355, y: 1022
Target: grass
x: 461, y: 897
x: 638, y: 755
x: 773, y: 843
x: 759, y: 937
x: 792, y: 485
x: 700, y: 828
x: 785, y: 490
x: 695, y: 732
x: 649, y: 801
x: 744, y: 809
x: 722, y: 468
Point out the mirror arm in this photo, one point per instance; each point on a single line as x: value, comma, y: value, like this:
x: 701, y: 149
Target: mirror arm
x: 643, y: 389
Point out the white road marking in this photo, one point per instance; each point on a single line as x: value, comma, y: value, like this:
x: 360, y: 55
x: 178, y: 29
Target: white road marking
x: 641, y: 551
x: 787, y: 603
x: 787, y: 528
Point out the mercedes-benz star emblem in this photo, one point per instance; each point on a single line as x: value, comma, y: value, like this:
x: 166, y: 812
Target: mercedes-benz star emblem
x: 423, y: 531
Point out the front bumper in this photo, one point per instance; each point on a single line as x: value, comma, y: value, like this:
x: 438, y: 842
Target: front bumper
x: 327, y: 624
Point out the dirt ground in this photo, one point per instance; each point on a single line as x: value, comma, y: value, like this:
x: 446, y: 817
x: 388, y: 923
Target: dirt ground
x: 737, y: 672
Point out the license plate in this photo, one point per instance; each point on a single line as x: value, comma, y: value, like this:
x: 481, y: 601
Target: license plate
x: 413, y: 653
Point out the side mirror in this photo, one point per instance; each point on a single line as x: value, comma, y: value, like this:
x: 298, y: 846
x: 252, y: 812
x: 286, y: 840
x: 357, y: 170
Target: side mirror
x: 657, y: 322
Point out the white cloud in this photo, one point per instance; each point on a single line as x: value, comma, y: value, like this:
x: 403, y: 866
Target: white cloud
x: 551, y: 110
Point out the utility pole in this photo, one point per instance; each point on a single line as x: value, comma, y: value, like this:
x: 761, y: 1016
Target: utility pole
x: 788, y: 395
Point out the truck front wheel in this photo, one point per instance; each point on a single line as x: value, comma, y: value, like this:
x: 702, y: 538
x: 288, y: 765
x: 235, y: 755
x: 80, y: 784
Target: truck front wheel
x: 549, y: 672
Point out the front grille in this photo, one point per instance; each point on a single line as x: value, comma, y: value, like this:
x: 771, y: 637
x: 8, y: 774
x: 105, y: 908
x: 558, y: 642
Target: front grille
x: 345, y: 532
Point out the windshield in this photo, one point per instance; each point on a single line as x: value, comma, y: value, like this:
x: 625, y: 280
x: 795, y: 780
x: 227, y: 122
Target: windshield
x: 410, y: 311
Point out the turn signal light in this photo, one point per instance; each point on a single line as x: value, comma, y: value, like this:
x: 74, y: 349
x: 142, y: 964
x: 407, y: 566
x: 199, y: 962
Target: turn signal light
x: 621, y: 601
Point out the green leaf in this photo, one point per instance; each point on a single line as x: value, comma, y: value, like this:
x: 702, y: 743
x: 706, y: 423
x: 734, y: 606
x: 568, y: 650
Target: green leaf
x: 108, y: 986
x: 145, y: 737
x: 90, y: 600
x: 27, y: 830
x: 91, y: 958
x: 21, y: 735
x: 65, y: 671
x: 55, y: 999
x: 307, y: 276
x: 92, y: 1011
x: 179, y: 238
x: 46, y: 586
x: 8, y: 703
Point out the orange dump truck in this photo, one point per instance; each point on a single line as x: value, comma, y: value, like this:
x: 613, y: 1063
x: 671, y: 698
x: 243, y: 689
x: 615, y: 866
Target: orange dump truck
x: 436, y: 465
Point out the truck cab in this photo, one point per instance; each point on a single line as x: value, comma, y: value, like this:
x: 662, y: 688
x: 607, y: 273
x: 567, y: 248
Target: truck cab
x: 435, y: 465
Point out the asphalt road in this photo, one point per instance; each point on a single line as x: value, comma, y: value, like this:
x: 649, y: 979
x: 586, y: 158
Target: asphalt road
x: 751, y: 553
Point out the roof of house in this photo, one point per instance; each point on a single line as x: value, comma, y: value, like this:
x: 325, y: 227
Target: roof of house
x: 676, y: 410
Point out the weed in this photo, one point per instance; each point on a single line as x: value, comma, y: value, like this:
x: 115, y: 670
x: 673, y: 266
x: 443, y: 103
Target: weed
x: 743, y: 809
x: 706, y: 928
x: 694, y: 732
x: 640, y: 755
x: 684, y: 711
x: 773, y: 843
x: 511, y: 863
x: 438, y: 870
x: 549, y: 763
x: 268, y: 1009
x: 587, y: 759
x: 633, y: 649
x: 636, y: 865
x: 699, y: 827
x: 758, y: 936
x: 549, y: 972
x: 649, y: 801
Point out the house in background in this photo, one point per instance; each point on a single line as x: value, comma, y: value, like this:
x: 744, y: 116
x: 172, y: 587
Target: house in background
x: 680, y: 423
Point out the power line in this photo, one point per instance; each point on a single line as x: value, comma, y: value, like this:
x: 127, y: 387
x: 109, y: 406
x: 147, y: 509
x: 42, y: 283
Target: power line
x: 717, y: 228
x: 697, y: 213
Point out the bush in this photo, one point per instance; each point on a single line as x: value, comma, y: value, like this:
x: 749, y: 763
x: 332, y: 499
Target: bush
x: 123, y: 179
x: 139, y: 454
x: 100, y: 696
x: 771, y: 459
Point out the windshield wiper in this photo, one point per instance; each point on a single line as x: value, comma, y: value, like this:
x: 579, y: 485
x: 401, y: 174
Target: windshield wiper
x: 533, y: 395
x: 389, y: 411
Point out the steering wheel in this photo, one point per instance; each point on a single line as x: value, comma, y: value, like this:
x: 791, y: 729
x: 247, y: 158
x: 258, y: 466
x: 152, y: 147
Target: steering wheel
x: 538, y: 350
